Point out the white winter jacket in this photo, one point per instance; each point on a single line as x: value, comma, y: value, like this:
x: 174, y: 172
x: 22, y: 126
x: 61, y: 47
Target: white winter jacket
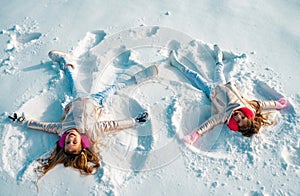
x: 225, y: 99
x: 84, y: 115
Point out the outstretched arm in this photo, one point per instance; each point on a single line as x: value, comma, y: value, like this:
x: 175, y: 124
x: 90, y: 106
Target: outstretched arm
x: 49, y: 127
x: 271, y: 104
x: 123, y: 124
x: 115, y: 125
x: 204, y: 127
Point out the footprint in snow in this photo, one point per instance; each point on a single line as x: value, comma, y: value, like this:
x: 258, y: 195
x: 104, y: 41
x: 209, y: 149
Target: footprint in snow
x: 291, y: 155
x: 28, y: 37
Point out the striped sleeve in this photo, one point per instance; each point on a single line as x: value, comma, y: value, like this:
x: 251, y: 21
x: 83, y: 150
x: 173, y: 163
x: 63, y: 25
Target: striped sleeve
x: 50, y: 127
x: 267, y: 104
x: 211, y: 123
x: 115, y: 125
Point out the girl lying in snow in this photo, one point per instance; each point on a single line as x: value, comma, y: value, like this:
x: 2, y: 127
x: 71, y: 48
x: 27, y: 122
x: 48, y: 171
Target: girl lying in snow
x: 229, y: 106
x: 81, y: 128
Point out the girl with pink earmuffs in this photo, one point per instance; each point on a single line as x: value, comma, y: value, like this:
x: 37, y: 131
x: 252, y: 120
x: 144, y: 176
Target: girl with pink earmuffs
x: 229, y: 106
x: 82, y: 129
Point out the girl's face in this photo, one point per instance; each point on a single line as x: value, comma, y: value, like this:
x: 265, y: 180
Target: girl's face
x: 73, y: 142
x: 240, y: 118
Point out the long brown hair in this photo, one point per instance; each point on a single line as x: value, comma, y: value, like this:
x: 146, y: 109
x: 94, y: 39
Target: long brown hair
x: 78, y: 161
x: 260, y: 119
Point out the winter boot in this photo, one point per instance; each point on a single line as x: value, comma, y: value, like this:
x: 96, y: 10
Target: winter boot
x: 139, y: 77
x: 61, y: 58
x: 218, y: 53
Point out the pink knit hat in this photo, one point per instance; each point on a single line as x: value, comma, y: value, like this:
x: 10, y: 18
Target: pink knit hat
x: 233, y: 125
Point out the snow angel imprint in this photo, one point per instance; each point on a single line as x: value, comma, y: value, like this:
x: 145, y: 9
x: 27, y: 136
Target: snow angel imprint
x: 82, y: 129
x: 229, y: 106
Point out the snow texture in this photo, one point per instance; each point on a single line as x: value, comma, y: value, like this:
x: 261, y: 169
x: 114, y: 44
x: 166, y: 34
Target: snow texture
x: 109, y: 41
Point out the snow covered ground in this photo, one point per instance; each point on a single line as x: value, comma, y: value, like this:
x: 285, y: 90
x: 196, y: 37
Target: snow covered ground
x: 110, y: 41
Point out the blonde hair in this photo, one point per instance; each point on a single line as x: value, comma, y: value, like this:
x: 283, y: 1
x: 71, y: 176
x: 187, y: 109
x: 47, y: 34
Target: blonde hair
x: 252, y: 127
x: 77, y: 161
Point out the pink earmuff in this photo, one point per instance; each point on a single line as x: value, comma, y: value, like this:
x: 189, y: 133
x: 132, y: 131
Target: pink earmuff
x: 85, y: 141
x: 232, y: 124
x: 248, y: 113
x: 62, y: 139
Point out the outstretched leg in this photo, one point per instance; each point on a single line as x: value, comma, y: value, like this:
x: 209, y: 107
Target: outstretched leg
x: 219, y: 77
x: 69, y: 68
x: 137, y: 78
x: 101, y: 96
x: 69, y: 71
x: 198, y: 81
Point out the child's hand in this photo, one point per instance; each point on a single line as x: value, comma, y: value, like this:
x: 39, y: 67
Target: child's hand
x: 281, y: 103
x: 18, y: 119
x: 191, y: 138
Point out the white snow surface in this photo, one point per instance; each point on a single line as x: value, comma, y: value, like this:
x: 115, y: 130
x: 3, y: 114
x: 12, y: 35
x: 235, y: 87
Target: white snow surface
x: 111, y: 40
